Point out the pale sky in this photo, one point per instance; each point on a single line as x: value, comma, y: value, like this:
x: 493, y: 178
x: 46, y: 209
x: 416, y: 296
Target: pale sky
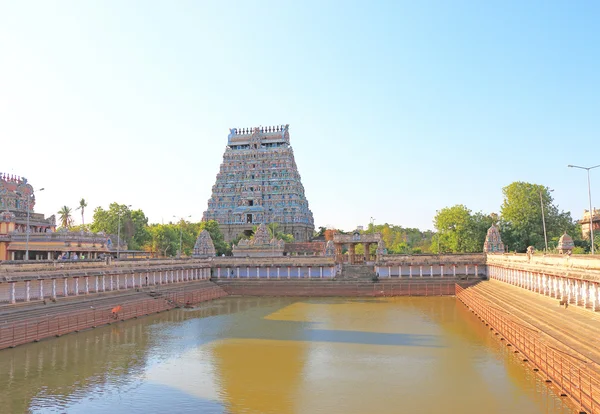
x: 396, y: 109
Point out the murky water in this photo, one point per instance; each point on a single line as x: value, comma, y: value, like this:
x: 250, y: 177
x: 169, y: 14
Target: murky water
x: 279, y: 355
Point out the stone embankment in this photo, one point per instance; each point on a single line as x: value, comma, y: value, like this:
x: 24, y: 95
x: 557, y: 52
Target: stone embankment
x: 349, y: 288
x: 558, y: 342
x: 38, y: 321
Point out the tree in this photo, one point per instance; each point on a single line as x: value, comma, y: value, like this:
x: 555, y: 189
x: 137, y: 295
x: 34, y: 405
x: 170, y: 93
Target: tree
x: 134, y: 224
x: 164, y: 239
x: 221, y: 246
x: 275, y: 231
x: 459, y: 231
x: 400, y: 240
x: 82, y: 206
x: 65, y: 217
x: 320, y: 233
x: 521, y: 216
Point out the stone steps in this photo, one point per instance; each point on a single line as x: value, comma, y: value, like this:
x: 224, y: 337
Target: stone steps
x: 357, y: 272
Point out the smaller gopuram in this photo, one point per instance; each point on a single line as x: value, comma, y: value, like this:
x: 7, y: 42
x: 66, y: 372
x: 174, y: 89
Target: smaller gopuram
x: 493, y: 242
x: 204, y: 246
x: 565, y: 244
x: 261, y: 245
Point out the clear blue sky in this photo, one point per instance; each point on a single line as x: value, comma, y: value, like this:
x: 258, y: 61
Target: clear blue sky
x: 396, y: 109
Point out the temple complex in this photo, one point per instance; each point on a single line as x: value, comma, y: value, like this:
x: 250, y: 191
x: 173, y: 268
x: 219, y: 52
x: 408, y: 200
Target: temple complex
x: 22, y: 231
x: 258, y: 182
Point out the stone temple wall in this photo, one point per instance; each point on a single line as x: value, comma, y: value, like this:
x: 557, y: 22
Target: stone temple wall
x: 258, y: 182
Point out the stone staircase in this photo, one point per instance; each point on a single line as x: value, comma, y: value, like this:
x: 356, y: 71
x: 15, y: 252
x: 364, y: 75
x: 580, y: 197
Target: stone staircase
x: 357, y: 273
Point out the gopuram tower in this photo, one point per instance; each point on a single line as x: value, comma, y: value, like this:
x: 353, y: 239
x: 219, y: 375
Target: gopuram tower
x: 258, y: 182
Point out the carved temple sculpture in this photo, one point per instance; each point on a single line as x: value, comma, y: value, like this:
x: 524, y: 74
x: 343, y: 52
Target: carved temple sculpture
x: 204, y: 246
x: 260, y: 245
x: 493, y: 242
x: 258, y: 182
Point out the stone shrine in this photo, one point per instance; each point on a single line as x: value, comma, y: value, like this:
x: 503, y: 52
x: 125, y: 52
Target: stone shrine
x: 493, y: 242
x: 565, y: 244
x: 204, y: 246
x: 259, y: 246
x: 258, y: 182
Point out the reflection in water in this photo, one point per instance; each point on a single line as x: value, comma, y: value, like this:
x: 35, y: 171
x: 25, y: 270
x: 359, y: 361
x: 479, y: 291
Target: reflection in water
x: 279, y: 355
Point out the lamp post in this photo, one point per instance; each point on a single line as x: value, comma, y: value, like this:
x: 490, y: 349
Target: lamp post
x: 544, y: 220
x: 181, y: 233
x: 119, y: 234
x: 26, y: 258
x: 590, y: 199
x: 372, y: 225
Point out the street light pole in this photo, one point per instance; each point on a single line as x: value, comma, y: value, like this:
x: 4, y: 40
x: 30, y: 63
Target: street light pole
x: 119, y: 234
x: 372, y: 225
x: 590, y: 199
x: 26, y: 258
x: 181, y: 234
x: 544, y: 221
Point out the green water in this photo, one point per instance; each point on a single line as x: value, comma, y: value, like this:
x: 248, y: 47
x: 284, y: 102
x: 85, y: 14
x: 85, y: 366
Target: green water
x: 279, y: 355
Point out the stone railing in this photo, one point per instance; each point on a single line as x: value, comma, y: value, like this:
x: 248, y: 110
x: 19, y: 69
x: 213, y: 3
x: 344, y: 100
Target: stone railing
x: 57, y: 236
x: 585, y: 267
x: 433, y: 259
x: 282, y: 261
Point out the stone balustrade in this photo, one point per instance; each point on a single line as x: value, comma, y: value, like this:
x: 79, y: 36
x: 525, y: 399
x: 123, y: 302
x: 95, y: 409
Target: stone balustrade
x: 430, y: 265
x: 585, y: 267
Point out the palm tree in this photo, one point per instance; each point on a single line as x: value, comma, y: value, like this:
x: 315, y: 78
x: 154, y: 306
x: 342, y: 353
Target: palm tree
x: 65, y: 216
x: 82, y: 206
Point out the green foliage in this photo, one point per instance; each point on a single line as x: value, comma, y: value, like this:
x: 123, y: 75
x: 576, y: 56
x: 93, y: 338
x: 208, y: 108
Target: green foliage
x: 65, y: 217
x: 459, y: 231
x: 399, y: 240
x: 164, y: 239
x: 276, y: 232
x: 80, y: 227
x: 521, y: 217
x: 134, y: 224
x: 320, y: 233
x: 221, y: 246
x: 82, y: 206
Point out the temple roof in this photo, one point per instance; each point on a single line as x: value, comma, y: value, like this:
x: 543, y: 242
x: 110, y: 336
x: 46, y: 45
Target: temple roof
x: 16, y: 194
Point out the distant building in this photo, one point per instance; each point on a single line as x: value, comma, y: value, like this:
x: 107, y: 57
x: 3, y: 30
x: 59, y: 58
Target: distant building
x: 258, y: 182
x: 585, y: 223
x: 17, y: 219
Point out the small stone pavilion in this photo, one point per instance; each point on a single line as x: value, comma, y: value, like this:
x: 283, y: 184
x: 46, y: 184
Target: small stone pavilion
x: 565, y: 244
x: 493, y: 242
x: 351, y: 240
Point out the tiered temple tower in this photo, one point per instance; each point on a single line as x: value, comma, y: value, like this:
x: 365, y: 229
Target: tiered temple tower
x: 258, y: 182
